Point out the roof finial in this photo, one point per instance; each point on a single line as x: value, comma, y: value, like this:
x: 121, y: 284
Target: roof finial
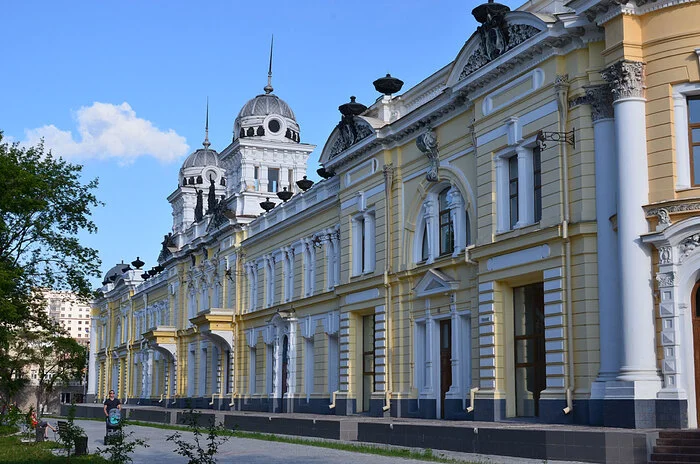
x: 268, y: 88
x: 206, y: 129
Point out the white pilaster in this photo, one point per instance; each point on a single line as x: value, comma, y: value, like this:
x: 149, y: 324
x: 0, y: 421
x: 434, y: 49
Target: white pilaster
x: 92, y: 365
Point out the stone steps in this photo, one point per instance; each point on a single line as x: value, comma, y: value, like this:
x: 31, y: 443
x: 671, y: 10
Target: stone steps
x: 676, y: 447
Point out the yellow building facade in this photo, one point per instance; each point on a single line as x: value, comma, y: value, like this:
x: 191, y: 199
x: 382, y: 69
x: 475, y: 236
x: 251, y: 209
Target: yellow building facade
x: 513, y: 237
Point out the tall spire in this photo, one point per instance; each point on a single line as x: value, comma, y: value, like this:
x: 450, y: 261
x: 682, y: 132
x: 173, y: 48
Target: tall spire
x: 268, y: 88
x: 206, y: 129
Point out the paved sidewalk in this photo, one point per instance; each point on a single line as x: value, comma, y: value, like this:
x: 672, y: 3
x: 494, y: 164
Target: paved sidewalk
x: 250, y: 451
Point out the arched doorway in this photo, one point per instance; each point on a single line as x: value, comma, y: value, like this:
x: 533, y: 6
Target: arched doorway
x: 695, y: 302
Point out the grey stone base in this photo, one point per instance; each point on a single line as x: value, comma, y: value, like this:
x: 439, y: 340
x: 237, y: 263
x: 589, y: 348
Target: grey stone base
x: 610, y: 447
x: 345, y: 407
x: 639, y: 414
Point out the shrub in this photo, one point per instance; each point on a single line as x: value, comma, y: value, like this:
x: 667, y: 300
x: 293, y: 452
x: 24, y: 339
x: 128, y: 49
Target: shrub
x: 194, y: 452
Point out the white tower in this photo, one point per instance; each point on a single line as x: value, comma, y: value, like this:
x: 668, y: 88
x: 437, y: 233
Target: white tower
x: 265, y: 156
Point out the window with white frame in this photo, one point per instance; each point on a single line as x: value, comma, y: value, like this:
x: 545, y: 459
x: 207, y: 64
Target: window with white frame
x: 309, y: 267
x: 686, y: 120
x: 332, y: 249
x: 269, y: 281
x: 442, y: 225
x: 288, y: 270
x: 363, y: 243
x: 519, y: 187
x: 252, y: 273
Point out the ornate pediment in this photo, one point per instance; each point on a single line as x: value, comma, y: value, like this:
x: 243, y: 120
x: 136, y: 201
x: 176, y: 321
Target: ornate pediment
x: 349, y: 131
x: 435, y: 281
x: 492, y: 39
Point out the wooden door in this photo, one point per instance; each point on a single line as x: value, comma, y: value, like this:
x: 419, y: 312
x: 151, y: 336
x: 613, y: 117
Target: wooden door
x: 285, y: 361
x: 445, y: 362
x: 695, y: 301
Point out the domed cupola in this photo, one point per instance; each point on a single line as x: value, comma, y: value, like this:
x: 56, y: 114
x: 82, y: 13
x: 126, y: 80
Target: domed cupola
x: 267, y: 117
x: 202, y: 166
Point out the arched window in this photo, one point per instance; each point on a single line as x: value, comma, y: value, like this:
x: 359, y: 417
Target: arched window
x: 442, y: 226
x: 447, y: 237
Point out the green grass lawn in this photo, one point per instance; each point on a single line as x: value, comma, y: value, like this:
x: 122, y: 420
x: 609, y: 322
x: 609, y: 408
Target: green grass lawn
x: 12, y: 450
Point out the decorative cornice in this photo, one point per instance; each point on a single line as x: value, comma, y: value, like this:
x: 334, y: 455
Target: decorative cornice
x: 626, y: 79
x: 600, y: 98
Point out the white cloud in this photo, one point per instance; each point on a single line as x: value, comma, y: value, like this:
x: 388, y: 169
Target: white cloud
x: 110, y: 131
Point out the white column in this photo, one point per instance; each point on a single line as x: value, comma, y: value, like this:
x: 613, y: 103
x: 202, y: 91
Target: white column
x: 292, y: 358
x: 526, y: 182
x: 456, y: 387
x: 638, y: 363
x: 606, y: 176
x: 680, y: 124
x: 431, y: 228
x: 92, y: 365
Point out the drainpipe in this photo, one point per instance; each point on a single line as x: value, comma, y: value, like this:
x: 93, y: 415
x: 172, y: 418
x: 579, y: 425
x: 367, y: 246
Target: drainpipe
x: 561, y: 87
x: 333, y: 395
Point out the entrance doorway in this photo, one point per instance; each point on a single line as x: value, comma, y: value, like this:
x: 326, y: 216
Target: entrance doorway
x: 367, y: 360
x: 695, y: 301
x: 530, y: 372
x: 445, y: 362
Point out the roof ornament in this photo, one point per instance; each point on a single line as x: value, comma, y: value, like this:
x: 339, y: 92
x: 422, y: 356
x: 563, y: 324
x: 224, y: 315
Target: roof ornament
x: 206, y: 129
x: 268, y: 88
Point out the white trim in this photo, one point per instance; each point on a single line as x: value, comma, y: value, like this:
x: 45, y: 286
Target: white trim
x: 367, y: 195
x: 525, y: 119
x: 680, y: 130
x: 518, y: 258
x: 537, y: 77
x: 372, y: 163
x: 361, y: 296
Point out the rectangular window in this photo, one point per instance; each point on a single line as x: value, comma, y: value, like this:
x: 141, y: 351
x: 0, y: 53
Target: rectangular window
x: 256, y: 177
x: 694, y: 139
x: 537, y: 186
x: 513, y: 190
x: 273, y: 179
x: 290, y: 179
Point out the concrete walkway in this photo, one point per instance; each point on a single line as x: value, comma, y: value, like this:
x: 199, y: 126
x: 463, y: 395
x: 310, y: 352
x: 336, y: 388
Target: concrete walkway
x: 250, y: 451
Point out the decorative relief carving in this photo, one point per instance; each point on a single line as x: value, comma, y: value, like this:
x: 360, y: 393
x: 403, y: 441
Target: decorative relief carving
x: 626, y: 79
x: 665, y: 255
x: 350, y: 131
x: 496, y: 38
x: 677, y: 208
x: 664, y: 219
x: 601, y: 99
x: 689, y: 245
x: 427, y: 143
x: 666, y: 279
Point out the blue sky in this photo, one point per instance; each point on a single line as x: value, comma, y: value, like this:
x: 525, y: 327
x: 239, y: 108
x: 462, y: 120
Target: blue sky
x: 121, y: 86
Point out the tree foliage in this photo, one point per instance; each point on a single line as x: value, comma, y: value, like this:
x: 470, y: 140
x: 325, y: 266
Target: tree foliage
x: 44, y: 205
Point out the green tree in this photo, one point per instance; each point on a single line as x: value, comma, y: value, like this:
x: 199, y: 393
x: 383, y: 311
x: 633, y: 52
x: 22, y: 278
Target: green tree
x: 44, y: 205
x: 59, y: 359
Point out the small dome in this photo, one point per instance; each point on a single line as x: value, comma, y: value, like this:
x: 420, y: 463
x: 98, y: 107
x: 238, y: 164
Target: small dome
x: 114, y: 273
x: 266, y: 104
x: 202, y: 158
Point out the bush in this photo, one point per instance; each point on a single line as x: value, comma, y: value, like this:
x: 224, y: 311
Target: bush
x: 216, y: 435
x: 121, y: 446
x: 71, y: 432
